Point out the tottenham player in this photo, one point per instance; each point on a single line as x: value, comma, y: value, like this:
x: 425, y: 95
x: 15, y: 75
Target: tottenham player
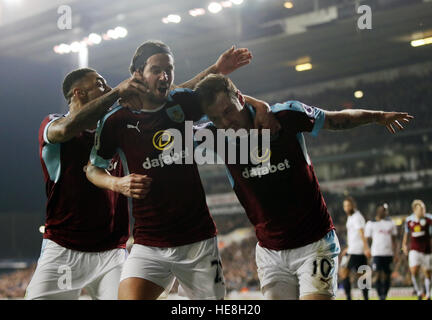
x: 357, y: 251
x: 174, y: 234
x: 383, y: 233
x: 418, y: 228
x: 297, y: 246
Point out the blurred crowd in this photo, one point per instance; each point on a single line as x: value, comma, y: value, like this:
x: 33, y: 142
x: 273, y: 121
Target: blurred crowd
x: 14, y: 285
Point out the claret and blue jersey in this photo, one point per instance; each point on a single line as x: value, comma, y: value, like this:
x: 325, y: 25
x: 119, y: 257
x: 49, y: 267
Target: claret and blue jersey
x: 282, y: 197
x: 174, y: 212
x: 79, y: 216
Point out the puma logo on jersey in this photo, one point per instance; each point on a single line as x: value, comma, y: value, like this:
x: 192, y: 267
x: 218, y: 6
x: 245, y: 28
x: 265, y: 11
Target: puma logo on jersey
x: 129, y: 126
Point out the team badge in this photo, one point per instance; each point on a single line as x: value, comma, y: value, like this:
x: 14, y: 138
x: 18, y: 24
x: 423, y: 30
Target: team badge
x: 423, y: 222
x: 176, y: 113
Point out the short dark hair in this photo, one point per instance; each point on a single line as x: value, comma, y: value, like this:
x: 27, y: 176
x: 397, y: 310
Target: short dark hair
x: 71, y: 78
x: 209, y: 87
x: 145, y: 51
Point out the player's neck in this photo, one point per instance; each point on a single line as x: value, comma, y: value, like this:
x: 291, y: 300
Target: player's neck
x: 246, y: 118
x: 74, y: 107
x: 149, y: 104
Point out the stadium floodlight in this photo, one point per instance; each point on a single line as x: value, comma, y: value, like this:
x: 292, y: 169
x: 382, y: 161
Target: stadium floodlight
x: 82, y: 46
x: 226, y: 4
x: 172, y: 18
x: 197, y: 12
x: 75, y: 46
x: 64, y: 48
x: 421, y: 42
x: 303, y: 67
x: 121, y: 32
x: 215, y: 7
x: 94, y: 38
x: 237, y: 2
x: 112, y: 34
x: 42, y: 229
x: 288, y: 4
x: 358, y: 94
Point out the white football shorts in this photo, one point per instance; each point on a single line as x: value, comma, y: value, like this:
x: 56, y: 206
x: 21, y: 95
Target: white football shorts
x: 311, y: 269
x: 62, y: 273
x: 196, y: 266
x: 417, y: 258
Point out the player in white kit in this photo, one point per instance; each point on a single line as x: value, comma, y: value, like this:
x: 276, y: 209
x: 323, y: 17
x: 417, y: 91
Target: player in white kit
x: 383, y: 233
x: 357, y: 251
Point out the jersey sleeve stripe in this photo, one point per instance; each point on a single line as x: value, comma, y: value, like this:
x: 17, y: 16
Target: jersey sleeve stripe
x: 51, y: 158
x: 313, y: 112
x: 319, y: 116
x: 97, y: 160
x: 45, y: 132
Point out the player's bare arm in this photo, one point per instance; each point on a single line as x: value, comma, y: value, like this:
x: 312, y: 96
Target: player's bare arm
x: 264, y: 118
x: 228, y: 62
x: 394, y: 246
x: 133, y: 185
x: 348, y: 119
x: 405, y: 243
x: 366, y: 248
x: 87, y: 116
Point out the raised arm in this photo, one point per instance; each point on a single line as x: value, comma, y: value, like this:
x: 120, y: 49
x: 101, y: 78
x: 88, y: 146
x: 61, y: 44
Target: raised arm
x: 347, y: 119
x: 87, y: 116
x: 228, y: 62
x: 134, y: 185
x: 69, y: 126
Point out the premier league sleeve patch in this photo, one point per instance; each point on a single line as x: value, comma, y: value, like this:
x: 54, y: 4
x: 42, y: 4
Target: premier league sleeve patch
x: 176, y: 113
x: 308, y: 110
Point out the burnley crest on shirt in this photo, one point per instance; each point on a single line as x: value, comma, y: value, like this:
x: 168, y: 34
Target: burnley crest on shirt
x: 176, y: 113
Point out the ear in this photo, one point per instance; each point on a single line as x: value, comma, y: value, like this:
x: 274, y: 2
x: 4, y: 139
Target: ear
x: 241, y: 98
x: 79, y: 93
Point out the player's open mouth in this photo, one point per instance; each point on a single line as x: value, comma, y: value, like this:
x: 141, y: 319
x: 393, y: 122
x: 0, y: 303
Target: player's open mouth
x: 163, y: 89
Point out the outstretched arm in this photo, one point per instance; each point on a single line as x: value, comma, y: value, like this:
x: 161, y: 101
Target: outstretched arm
x: 347, y: 119
x: 134, y: 185
x: 228, y: 62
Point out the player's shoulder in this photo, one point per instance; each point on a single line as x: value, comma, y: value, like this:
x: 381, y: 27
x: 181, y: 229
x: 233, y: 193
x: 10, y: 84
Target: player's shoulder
x: 358, y: 215
x: 115, y: 112
x: 409, y: 218
x: 179, y: 95
x: 204, y: 123
x: 53, y: 116
x: 50, y: 118
x: 293, y: 105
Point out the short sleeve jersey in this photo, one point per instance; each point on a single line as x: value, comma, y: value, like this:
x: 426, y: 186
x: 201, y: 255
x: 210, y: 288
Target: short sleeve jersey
x: 79, y: 215
x: 174, y: 212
